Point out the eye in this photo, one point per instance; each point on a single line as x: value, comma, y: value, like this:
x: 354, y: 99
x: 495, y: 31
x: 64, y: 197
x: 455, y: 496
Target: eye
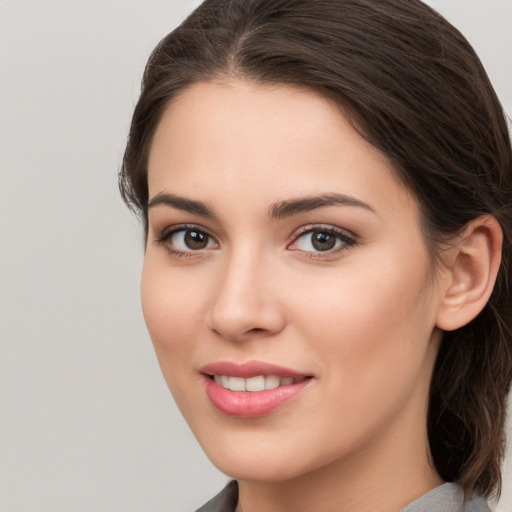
x: 322, y: 240
x: 191, y: 239
x: 186, y: 240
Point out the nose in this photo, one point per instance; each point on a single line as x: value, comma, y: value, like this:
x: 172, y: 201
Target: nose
x: 246, y: 300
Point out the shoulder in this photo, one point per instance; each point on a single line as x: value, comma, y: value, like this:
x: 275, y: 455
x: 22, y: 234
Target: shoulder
x: 448, y: 497
x: 225, y: 501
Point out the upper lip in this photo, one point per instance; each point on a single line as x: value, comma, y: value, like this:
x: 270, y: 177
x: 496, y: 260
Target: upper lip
x: 249, y: 369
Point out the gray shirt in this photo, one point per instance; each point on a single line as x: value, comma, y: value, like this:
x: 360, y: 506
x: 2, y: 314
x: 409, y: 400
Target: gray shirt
x: 445, y: 498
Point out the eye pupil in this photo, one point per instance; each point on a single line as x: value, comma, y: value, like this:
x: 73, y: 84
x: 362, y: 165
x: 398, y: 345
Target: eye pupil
x: 196, y: 240
x: 323, y: 241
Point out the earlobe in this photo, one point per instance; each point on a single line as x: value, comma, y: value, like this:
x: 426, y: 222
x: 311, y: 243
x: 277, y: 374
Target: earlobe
x: 471, y: 267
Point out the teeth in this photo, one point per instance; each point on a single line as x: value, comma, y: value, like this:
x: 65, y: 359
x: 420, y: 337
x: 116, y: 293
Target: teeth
x: 236, y: 383
x: 255, y: 383
x: 259, y: 383
x: 271, y: 382
x: 222, y: 380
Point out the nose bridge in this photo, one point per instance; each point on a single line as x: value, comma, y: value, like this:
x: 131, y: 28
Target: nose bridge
x: 245, y: 301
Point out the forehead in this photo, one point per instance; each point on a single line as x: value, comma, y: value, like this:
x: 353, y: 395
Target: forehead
x: 264, y: 142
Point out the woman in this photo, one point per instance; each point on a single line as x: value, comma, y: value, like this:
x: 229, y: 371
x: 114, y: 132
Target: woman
x: 325, y: 188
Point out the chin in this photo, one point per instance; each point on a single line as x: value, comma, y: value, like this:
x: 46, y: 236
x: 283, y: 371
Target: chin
x: 255, y: 457
x: 259, y: 469
x: 251, y: 456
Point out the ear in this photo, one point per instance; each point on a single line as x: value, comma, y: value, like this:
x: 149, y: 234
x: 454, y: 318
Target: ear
x: 471, y: 267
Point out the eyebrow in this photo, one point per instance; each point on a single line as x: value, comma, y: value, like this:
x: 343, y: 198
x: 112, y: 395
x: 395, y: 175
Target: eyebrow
x: 291, y: 207
x: 182, y: 203
x: 277, y: 211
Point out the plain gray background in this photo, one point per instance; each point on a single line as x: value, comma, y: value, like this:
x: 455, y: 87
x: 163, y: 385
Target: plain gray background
x: 86, y: 421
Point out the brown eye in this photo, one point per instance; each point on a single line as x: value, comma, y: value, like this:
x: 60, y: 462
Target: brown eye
x: 189, y: 240
x: 196, y: 240
x: 323, y: 241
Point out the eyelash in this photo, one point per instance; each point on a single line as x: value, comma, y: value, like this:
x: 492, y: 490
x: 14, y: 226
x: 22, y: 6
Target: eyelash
x: 164, y: 238
x: 347, y: 240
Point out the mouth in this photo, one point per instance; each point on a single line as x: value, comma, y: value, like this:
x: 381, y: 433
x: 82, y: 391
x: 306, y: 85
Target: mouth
x: 253, y: 389
x: 255, y: 384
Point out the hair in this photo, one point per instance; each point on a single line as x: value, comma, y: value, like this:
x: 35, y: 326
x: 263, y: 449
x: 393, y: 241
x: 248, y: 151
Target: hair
x: 414, y: 88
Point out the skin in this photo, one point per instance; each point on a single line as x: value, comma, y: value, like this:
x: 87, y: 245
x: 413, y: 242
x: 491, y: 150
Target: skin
x: 361, y: 320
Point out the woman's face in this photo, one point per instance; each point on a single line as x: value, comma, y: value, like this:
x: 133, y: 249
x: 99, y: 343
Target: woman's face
x: 282, y: 251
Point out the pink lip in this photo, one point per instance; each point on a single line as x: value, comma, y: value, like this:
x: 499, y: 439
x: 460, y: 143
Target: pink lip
x: 247, y: 404
x: 249, y: 369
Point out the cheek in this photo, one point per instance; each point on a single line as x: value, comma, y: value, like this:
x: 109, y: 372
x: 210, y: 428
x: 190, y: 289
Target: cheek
x: 173, y: 316
x: 370, y: 321
x: 371, y: 335
x: 172, y: 313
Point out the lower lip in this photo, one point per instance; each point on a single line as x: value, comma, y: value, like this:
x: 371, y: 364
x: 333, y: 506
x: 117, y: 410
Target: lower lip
x: 251, y: 404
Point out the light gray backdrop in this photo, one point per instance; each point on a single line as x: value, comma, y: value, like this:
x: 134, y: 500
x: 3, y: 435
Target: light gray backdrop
x: 86, y: 422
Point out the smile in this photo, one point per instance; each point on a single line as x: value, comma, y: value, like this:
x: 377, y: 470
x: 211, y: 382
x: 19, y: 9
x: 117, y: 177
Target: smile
x: 255, y: 384
x: 252, y: 389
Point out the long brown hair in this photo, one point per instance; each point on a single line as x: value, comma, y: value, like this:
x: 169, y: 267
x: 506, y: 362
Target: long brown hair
x: 413, y: 86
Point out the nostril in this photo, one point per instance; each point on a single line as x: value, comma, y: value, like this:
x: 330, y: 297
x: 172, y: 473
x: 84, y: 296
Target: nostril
x: 238, y: 320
